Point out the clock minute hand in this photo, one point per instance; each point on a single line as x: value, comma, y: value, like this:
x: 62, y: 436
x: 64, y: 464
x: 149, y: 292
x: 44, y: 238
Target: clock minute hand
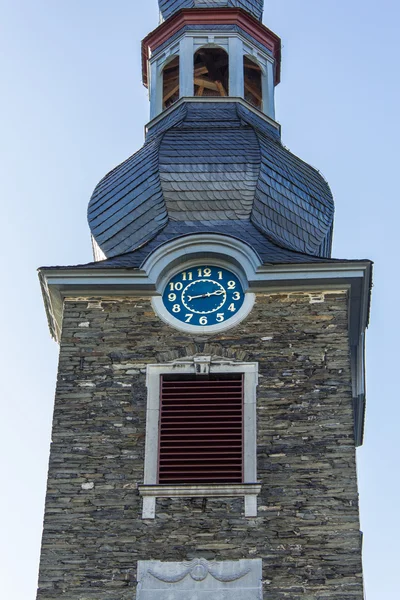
x: 207, y: 295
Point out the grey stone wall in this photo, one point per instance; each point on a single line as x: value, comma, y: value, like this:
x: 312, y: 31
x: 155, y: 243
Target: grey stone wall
x: 307, y: 529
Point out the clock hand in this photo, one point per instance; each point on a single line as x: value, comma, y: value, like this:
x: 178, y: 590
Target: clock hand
x: 216, y: 293
x: 207, y: 295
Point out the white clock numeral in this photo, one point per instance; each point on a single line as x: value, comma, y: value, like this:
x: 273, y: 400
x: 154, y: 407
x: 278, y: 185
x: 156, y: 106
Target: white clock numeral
x: 187, y: 276
x: 171, y: 297
x: 176, y: 308
x: 236, y: 296
x: 220, y: 317
x: 232, y: 307
x: 203, y: 320
x: 220, y: 275
x: 178, y: 286
x: 231, y: 285
x: 206, y: 272
x: 188, y: 318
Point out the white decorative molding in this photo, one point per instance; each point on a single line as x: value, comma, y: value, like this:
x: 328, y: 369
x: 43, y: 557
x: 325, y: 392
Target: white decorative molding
x: 192, y: 249
x: 151, y: 489
x: 200, y: 579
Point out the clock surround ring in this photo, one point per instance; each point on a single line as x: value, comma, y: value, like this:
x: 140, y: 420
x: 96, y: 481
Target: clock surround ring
x: 211, y: 315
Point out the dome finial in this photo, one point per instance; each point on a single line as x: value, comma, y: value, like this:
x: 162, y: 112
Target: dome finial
x: 170, y: 7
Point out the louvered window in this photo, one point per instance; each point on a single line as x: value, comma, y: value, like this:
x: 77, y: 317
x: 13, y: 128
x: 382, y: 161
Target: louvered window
x: 201, y: 429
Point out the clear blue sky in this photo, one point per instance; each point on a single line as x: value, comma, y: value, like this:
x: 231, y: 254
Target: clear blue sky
x: 72, y: 106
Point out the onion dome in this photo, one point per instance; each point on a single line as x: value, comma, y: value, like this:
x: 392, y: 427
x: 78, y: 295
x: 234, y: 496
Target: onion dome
x: 207, y: 166
x: 170, y: 7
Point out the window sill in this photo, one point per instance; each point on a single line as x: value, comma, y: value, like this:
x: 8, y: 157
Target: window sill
x: 227, y: 490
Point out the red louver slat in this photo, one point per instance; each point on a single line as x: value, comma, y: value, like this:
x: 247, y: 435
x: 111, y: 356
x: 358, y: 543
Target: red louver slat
x: 201, y: 431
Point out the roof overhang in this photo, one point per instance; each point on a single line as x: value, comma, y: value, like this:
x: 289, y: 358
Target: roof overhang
x: 59, y: 283
x: 211, y: 16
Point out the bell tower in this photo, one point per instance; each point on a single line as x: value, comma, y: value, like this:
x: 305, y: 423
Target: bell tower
x: 210, y: 393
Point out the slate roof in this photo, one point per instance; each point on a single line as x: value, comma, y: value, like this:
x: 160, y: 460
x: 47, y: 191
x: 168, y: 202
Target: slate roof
x: 127, y: 200
x: 170, y: 7
x: 210, y: 162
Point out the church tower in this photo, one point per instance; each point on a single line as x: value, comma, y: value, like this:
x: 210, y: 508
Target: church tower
x: 210, y: 391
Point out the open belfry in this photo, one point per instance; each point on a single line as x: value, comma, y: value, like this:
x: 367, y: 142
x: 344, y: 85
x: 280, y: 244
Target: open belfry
x: 210, y: 393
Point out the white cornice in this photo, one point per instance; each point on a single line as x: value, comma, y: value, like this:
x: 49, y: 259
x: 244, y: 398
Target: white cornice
x: 166, y: 50
x: 57, y: 284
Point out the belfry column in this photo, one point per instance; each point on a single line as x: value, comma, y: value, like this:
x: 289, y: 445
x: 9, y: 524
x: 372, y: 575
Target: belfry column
x: 236, y: 71
x: 269, y: 91
x: 186, y: 67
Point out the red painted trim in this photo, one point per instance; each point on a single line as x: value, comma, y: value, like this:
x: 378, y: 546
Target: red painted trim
x: 201, y: 433
x: 212, y: 16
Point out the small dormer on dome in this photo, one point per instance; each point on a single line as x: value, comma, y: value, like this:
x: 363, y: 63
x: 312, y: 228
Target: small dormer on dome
x: 169, y: 7
x: 211, y: 55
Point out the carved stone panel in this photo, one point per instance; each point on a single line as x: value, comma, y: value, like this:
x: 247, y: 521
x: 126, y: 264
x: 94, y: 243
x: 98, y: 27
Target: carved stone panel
x: 200, y: 579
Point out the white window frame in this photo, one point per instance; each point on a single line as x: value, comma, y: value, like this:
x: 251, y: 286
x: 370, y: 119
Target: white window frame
x: 200, y: 365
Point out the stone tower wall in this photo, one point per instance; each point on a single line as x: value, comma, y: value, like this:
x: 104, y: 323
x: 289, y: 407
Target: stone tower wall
x: 307, y: 529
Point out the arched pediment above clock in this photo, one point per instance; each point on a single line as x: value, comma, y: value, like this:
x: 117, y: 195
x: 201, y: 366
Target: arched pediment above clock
x: 192, y: 249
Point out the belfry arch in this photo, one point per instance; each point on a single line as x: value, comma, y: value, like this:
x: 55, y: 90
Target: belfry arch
x: 211, y: 72
x: 253, y: 82
x: 170, y: 81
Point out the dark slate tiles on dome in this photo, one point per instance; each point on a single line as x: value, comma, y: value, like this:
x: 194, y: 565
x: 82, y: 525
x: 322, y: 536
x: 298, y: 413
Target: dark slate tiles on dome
x: 171, y: 119
x: 127, y: 207
x: 211, y: 162
x: 206, y: 114
x: 213, y: 179
x: 292, y: 202
x: 170, y: 7
x: 241, y: 230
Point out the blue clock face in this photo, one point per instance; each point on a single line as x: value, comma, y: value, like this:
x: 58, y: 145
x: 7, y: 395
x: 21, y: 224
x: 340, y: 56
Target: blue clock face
x: 203, y: 296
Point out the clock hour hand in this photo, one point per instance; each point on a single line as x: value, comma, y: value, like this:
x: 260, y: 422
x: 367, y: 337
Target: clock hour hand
x: 216, y: 293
